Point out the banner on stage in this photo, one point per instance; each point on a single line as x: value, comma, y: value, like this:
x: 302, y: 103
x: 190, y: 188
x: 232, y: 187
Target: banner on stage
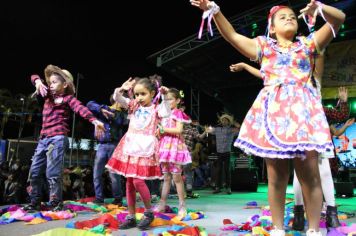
x: 339, y: 69
x: 345, y: 146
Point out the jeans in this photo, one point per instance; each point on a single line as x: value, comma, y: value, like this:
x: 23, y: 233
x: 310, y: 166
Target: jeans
x: 201, y: 175
x: 103, y: 155
x: 48, y: 158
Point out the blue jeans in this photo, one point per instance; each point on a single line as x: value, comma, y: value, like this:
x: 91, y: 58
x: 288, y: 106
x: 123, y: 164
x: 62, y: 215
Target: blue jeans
x: 201, y: 175
x: 103, y: 155
x: 48, y: 158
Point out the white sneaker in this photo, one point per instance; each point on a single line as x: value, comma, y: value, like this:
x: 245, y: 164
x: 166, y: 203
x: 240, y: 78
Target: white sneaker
x: 312, y: 232
x: 277, y: 232
x: 182, y: 212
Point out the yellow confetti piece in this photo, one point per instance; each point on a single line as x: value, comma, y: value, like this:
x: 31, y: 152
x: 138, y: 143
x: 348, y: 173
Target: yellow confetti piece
x: 36, y: 221
x: 259, y: 231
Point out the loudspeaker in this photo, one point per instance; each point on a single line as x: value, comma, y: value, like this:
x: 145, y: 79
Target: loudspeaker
x: 244, y: 179
x: 23, y: 149
x: 344, y: 189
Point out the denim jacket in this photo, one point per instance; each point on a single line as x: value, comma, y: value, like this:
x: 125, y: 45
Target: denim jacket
x: 115, y: 127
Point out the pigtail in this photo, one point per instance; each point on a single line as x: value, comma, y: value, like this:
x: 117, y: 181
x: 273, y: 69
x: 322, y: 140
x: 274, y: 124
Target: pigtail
x: 178, y: 94
x: 156, y: 80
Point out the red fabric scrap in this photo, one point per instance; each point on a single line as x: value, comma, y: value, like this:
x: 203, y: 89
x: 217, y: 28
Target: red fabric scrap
x: 107, y: 220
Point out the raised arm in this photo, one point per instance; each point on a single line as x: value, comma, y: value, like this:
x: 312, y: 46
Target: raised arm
x: 118, y: 93
x: 244, y: 45
x: 342, y: 111
x: 332, y: 15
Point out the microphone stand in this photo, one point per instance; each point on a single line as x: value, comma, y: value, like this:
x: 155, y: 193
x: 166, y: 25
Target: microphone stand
x: 79, y: 76
x: 22, y: 123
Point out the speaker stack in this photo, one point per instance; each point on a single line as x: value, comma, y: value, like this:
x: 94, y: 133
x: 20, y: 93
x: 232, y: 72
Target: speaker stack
x: 344, y: 189
x: 244, y: 176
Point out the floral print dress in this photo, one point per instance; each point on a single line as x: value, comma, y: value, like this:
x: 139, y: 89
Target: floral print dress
x: 287, y: 117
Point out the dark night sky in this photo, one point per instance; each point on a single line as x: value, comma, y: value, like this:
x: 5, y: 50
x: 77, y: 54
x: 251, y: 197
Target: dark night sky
x: 104, y: 42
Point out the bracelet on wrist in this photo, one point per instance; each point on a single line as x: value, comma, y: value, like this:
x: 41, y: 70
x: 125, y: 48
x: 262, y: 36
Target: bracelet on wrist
x: 213, y: 7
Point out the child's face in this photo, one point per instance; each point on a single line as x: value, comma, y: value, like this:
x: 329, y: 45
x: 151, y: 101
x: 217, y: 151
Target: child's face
x: 173, y: 102
x: 57, y: 84
x: 143, y: 95
x: 284, y: 23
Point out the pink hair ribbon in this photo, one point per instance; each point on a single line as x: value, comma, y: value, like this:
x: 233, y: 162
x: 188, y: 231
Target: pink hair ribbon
x: 311, y: 19
x: 208, y: 14
x: 158, y: 93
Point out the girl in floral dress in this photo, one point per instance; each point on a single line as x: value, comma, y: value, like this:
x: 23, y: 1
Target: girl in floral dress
x: 136, y: 156
x: 173, y: 153
x: 287, y: 120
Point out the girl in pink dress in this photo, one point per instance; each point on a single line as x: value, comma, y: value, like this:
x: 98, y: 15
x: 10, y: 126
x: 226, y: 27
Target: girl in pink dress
x: 287, y: 120
x: 173, y: 153
x: 136, y: 156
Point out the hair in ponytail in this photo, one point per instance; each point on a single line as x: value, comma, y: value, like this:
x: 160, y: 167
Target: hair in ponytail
x: 177, y: 94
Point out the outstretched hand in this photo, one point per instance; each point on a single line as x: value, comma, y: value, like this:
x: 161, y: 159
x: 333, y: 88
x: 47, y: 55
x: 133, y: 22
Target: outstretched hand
x: 107, y: 114
x: 202, y: 4
x: 343, y: 94
x: 99, y: 129
x: 237, y: 67
x: 128, y: 84
x: 163, y: 90
x: 41, y: 88
x: 310, y: 9
x: 208, y: 129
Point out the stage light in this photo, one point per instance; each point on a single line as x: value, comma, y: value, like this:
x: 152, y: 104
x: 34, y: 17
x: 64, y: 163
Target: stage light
x: 353, y: 105
x: 342, y: 34
x: 343, y: 26
x: 329, y: 106
x: 254, y: 26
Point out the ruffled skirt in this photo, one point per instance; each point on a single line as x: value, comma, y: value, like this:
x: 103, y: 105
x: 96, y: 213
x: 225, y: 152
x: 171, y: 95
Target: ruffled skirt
x: 284, y: 122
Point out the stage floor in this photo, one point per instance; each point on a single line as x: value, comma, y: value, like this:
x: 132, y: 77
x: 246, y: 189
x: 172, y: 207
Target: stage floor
x: 216, y: 207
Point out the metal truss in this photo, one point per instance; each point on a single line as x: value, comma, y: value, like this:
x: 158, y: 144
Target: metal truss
x: 194, y: 103
x: 239, y: 22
